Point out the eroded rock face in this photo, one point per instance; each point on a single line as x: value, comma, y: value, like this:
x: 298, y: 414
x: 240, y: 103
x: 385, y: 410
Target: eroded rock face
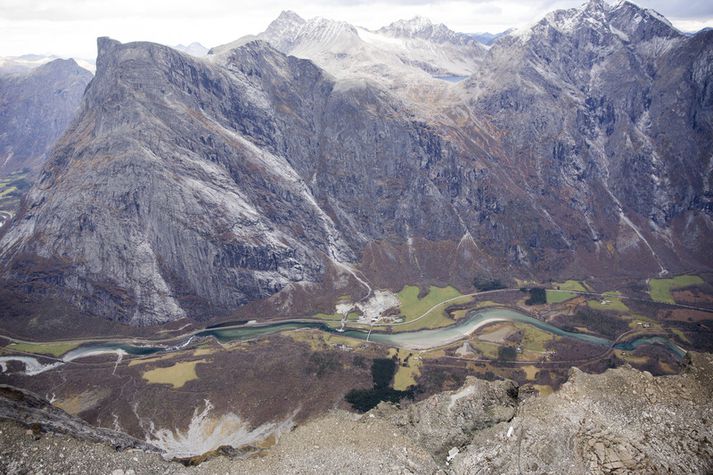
x: 585, y: 99
x: 36, y: 107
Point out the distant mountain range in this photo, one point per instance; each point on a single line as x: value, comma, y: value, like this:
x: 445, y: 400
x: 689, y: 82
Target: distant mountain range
x: 38, y: 100
x: 488, y: 39
x: 194, y: 49
x: 319, y: 159
x: 396, y: 55
x: 27, y: 62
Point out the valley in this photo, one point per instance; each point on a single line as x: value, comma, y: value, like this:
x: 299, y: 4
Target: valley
x: 490, y: 334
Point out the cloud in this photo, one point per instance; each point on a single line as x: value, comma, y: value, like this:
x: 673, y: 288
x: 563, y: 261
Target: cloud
x: 690, y: 10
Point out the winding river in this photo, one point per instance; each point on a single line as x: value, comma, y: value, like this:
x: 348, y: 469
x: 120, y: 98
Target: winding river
x: 415, y: 340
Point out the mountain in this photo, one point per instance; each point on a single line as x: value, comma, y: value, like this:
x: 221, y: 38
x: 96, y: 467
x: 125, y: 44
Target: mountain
x: 194, y: 49
x: 24, y: 63
x: 27, y: 62
x: 433, y: 47
x: 580, y: 146
x: 422, y: 28
x: 396, y: 56
x: 606, y: 117
x: 244, y: 178
x: 210, y: 143
x: 488, y: 39
x: 36, y: 106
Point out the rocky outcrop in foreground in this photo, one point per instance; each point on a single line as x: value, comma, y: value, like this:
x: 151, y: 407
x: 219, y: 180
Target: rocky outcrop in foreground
x: 32, y: 411
x: 621, y: 421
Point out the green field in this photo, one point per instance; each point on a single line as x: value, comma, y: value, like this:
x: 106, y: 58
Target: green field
x: 176, y: 375
x: 486, y: 348
x: 436, y: 301
x: 557, y: 296
x: 614, y: 303
x: 563, y: 291
x: 573, y: 285
x: 413, y: 307
x: 533, y: 339
x: 408, y: 370
x: 52, y: 349
x: 660, y: 289
x: 337, y: 317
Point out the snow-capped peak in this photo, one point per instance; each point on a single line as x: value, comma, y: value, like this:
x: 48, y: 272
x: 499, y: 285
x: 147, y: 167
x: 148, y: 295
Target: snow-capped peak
x: 414, y: 48
x: 286, y: 20
x: 288, y: 23
x: 597, y: 6
x: 325, y: 30
x: 593, y: 13
x: 415, y: 24
x: 194, y: 49
x: 624, y: 19
x: 422, y: 28
x: 416, y: 27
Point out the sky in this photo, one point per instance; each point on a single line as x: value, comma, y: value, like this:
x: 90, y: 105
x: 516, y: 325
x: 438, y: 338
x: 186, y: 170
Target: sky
x: 70, y: 27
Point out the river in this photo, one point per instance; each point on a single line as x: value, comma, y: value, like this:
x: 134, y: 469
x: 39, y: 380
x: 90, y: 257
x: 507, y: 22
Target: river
x: 414, y: 340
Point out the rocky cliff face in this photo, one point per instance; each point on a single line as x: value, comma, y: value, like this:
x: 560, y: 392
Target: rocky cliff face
x: 36, y: 107
x: 162, y: 189
x: 604, y: 109
x: 189, y: 187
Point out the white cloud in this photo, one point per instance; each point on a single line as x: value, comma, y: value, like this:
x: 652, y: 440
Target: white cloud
x: 70, y: 27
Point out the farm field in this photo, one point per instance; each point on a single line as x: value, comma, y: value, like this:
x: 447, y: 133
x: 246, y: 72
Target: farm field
x: 660, y: 289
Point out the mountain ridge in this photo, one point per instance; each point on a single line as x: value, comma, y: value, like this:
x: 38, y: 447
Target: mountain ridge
x: 345, y: 50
